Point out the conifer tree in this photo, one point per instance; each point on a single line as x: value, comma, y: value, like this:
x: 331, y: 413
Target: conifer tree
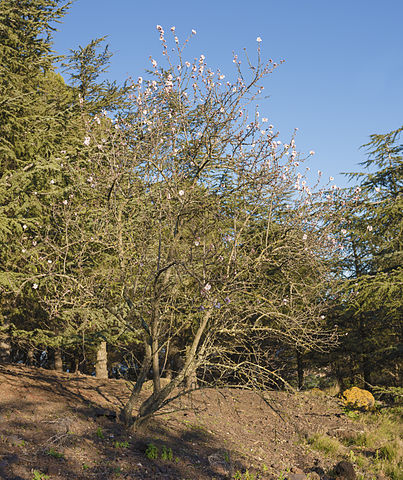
x: 372, y: 311
x: 31, y: 119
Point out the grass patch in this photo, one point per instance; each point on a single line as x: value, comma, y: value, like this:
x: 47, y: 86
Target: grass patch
x: 383, y: 435
x: 324, y: 443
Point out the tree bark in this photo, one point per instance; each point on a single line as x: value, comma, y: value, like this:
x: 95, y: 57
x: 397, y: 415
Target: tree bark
x: 155, y: 401
x: 58, y: 362
x: 101, y: 366
x: 5, y: 351
x: 126, y: 415
x: 156, y: 367
x: 5, y: 347
x: 30, y: 356
x: 300, y: 370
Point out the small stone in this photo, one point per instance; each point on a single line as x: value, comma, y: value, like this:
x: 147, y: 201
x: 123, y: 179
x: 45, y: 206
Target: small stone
x: 345, y: 470
x: 53, y: 469
x: 318, y: 470
x: 296, y: 476
x: 14, y: 439
x: 218, y: 461
x: 313, y: 476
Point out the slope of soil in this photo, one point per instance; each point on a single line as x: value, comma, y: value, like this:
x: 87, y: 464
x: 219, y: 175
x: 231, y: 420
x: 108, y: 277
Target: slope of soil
x: 64, y: 426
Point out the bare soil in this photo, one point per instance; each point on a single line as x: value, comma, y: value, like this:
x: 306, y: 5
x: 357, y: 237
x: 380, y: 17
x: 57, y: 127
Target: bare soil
x: 65, y: 426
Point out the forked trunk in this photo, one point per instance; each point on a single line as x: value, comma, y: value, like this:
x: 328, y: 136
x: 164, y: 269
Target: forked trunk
x: 126, y: 415
x: 157, y: 400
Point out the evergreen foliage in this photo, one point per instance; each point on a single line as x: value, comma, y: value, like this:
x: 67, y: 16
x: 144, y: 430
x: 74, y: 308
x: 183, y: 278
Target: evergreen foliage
x: 372, y: 312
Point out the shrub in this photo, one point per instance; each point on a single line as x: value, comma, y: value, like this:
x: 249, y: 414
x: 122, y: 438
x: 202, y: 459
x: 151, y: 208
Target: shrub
x: 358, y: 398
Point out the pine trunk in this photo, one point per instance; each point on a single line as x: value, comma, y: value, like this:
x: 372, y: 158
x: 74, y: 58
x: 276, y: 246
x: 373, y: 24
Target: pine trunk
x: 58, y: 365
x: 300, y: 370
x: 5, y: 350
x: 101, y: 366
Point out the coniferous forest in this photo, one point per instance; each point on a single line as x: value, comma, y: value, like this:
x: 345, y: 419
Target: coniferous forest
x: 160, y: 230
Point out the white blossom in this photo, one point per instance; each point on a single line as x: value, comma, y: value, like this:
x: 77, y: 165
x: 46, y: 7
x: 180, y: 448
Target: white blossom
x: 181, y: 193
x: 87, y: 141
x: 312, y: 152
x: 35, y: 286
x: 258, y: 39
x: 369, y: 228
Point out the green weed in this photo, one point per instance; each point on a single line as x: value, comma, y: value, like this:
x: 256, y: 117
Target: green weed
x: 152, y: 451
x: 55, y: 454
x: 166, y: 453
x: 244, y: 476
x: 124, y: 444
x: 100, y: 433
x: 39, y: 475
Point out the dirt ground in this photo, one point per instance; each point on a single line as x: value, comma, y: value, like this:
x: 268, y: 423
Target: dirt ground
x: 63, y: 426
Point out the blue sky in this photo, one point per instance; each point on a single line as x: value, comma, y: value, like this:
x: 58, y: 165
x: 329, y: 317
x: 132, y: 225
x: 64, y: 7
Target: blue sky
x: 342, y: 79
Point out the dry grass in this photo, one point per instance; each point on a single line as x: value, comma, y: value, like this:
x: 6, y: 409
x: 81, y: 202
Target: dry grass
x: 326, y: 444
x: 379, y: 448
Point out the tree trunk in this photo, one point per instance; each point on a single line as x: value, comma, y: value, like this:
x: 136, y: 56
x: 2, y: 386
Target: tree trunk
x: 191, y: 381
x: 74, y: 364
x: 126, y: 415
x: 5, y: 347
x: 156, y: 367
x: 364, y: 356
x: 155, y: 401
x: 5, y: 351
x: 30, y: 356
x: 58, y: 362
x: 300, y: 370
x: 101, y: 366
